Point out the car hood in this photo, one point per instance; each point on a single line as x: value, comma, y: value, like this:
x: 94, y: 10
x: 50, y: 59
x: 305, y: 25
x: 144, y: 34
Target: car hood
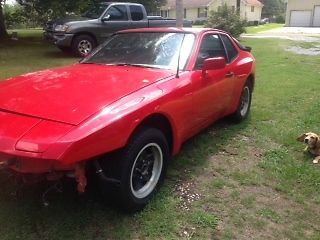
x: 72, y: 94
x: 68, y: 19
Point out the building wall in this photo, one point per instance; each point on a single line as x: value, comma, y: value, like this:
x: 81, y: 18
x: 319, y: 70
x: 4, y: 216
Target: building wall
x: 215, y: 4
x: 245, y: 10
x: 253, y: 16
x: 300, y: 5
x: 172, y: 13
x: 192, y: 14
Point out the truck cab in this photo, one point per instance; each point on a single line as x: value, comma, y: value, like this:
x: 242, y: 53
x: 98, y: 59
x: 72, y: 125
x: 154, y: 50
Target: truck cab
x: 82, y: 34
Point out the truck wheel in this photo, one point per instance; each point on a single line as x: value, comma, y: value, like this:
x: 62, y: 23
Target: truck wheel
x: 142, y: 170
x: 244, y: 103
x: 82, y: 45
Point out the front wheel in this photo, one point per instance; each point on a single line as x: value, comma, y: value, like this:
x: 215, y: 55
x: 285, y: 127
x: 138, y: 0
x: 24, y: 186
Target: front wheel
x: 244, y: 105
x: 142, y: 168
x: 82, y: 45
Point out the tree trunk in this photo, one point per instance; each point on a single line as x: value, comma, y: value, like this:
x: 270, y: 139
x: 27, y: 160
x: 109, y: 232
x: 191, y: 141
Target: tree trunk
x: 179, y: 13
x: 238, y: 7
x: 3, y: 30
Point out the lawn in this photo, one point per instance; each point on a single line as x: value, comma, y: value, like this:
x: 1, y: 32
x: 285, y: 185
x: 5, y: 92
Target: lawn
x: 264, y: 27
x: 29, y: 53
x: 245, y: 181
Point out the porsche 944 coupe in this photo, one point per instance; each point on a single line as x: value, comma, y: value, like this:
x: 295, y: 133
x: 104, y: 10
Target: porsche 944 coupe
x: 125, y: 109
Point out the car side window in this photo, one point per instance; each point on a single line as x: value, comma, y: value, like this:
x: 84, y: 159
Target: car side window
x: 117, y: 13
x: 231, y: 50
x: 211, y: 46
x: 136, y: 13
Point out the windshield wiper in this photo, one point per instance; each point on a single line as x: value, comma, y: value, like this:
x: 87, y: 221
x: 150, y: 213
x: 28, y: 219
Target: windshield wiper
x: 92, y: 63
x: 128, y: 64
x: 135, y: 65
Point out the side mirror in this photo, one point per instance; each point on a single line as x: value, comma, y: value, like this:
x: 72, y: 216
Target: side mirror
x: 213, y: 64
x: 106, y: 18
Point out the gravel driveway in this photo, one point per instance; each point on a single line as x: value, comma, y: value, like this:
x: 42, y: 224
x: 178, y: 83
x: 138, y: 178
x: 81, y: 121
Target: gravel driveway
x: 304, y: 34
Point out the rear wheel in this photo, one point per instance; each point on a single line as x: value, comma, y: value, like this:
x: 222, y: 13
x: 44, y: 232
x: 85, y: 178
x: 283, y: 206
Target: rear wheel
x: 142, y: 169
x: 244, y: 103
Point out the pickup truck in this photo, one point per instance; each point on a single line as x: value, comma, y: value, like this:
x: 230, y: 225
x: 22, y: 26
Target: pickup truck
x: 82, y: 34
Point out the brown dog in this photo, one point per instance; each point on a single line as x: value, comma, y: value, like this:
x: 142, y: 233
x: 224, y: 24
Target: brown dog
x: 313, y: 144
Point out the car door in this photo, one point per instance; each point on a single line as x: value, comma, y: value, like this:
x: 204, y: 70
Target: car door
x: 114, y: 19
x: 212, y: 93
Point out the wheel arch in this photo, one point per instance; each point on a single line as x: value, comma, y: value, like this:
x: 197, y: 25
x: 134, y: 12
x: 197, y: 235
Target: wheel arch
x: 159, y: 121
x: 251, y: 80
x: 85, y: 33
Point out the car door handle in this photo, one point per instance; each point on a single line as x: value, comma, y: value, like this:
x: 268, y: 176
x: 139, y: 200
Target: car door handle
x: 229, y: 74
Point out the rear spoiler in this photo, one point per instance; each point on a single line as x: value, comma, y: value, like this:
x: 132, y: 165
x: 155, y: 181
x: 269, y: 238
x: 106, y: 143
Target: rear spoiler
x: 244, y: 48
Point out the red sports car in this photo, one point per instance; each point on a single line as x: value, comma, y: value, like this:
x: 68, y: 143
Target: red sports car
x: 125, y: 109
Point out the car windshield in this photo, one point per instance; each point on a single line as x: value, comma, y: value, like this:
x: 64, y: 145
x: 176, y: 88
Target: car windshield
x: 147, y: 49
x: 95, y: 11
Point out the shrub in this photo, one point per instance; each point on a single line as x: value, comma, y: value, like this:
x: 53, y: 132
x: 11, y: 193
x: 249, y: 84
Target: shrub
x: 280, y: 18
x: 227, y: 20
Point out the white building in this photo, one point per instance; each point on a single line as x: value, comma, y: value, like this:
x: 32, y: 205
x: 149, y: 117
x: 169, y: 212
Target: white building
x: 303, y: 13
x: 197, y: 10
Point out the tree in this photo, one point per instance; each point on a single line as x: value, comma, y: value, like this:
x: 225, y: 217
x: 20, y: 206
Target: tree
x: 273, y: 8
x: 226, y: 19
x: 59, y: 8
x: 3, y: 30
x: 39, y: 11
x: 53, y: 8
x: 14, y: 15
x: 179, y: 13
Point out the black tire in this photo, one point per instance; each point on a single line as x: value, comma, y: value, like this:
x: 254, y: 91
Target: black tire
x: 82, y: 45
x: 244, y: 105
x: 142, y: 168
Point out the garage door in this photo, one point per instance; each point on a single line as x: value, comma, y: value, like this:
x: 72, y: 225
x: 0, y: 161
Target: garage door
x: 316, y: 16
x: 300, y: 18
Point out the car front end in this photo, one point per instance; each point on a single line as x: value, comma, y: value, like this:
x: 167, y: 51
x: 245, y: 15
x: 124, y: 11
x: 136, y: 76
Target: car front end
x: 57, y: 34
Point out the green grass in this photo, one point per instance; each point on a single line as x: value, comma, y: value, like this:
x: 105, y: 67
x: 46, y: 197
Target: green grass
x: 266, y: 189
x: 264, y: 27
x: 29, y: 53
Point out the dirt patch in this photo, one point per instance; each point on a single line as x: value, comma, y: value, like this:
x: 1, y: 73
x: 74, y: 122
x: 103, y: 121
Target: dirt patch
x: 315, y: 51
x: 186, y: 193
x: 295, y: 37
x: 248, y: 206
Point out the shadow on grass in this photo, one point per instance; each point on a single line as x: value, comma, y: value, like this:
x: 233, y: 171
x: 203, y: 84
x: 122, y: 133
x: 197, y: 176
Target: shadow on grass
x: 69, y: 214
x: 195, y: 152
x: 57, y: 53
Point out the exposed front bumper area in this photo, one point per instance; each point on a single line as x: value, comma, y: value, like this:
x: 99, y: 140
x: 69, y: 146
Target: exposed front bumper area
x: 58, y: 38
x: 31, y: 165
x: 50, y: 170
x: 3, y: 165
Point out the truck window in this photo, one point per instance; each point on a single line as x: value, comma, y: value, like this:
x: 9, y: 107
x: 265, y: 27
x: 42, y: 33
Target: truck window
x: 136, y: 12
x: 95, y: 11
x: 211, y: 46
x: 117, y: 13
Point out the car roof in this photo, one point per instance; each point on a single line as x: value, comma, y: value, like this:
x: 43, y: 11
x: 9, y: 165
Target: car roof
x: 173, y: 29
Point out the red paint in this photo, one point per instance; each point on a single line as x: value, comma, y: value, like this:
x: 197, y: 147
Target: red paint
x: 53, y: 119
